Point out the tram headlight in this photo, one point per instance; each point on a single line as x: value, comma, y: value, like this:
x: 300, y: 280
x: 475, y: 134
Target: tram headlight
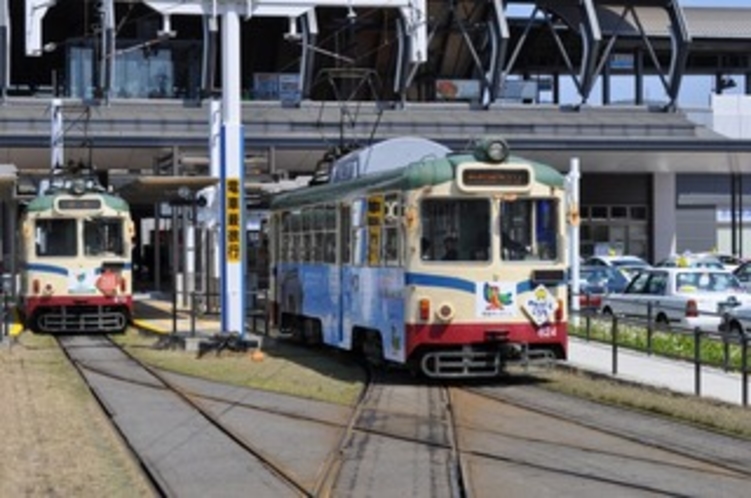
x: 494, y: 151
x: 79, y: 187
x: 445, y: 312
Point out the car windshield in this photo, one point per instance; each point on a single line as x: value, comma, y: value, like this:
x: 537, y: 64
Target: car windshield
x: 629, y: 262
x: 603, y: 276
x: 706, y: 282
x: 691, y: 262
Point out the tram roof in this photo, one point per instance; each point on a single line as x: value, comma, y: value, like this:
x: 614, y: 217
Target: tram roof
x: 412, y: 176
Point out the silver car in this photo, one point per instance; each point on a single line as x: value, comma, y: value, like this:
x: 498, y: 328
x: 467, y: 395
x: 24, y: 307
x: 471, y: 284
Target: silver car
x: 737, y: 320
x: 684, y: 298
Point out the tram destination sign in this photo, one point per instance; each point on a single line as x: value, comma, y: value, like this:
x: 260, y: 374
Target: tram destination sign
x: 78, y: 204
x: 504, y: 178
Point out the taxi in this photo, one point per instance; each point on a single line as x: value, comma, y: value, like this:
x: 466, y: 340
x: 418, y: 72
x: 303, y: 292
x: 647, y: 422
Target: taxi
x: 678, y: 297
x: 693, y: 260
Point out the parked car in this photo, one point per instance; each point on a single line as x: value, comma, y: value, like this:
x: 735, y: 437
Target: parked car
x: 736, y: 320
x: 691, y: 260
x: 626, y: 264
x: 597, y: 281
x: 679, y: 297
x: 728, y: 261
x: 743, y: 273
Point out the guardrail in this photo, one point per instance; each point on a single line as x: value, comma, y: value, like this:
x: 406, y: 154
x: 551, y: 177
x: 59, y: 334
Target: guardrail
x: 7, y: 312
x: 255, y: 312
x: 710, y: 348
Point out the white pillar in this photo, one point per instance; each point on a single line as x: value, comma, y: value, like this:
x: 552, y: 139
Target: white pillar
x: 57, y: 143
x: 664, y: 215
x: 232, y: 180
x: 572, y: 182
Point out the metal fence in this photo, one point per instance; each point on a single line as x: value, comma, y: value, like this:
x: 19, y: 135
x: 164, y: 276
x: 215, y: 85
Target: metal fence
x: 701, y: 348
x: 205, y: 304
x: 8, y: 309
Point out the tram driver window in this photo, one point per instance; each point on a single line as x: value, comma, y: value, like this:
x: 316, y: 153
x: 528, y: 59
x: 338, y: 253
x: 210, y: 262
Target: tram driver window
x: 529, y: 230
x: 56, y: 237
x: 103, y: 237
x: 455, y: 229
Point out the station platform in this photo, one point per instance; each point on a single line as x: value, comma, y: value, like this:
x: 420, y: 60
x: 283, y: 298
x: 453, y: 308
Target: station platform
x: 158, y: 314
x: 155, y: 314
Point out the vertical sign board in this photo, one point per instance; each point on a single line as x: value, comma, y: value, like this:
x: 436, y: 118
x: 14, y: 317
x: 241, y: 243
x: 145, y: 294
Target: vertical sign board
x: 232, y: 220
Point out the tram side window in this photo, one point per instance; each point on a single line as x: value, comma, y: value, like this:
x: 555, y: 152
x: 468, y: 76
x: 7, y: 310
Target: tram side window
x: 56, y: 237
x: 391, y: 246
x: 308, y: 246
x: 292, y: 237
x: 329, y: 234
x: 345, y: 234
x: 455, y: 229
x: 392, y: 215
x: 529, y: 230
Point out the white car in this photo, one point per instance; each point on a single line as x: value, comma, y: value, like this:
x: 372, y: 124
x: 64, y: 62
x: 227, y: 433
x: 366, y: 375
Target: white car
x: 729, y: 261
x: 683, y: 298
x: 691, y: 260
x: 628, y: 265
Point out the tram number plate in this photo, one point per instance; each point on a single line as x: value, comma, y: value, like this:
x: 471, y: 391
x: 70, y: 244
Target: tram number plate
x: 547, y: 331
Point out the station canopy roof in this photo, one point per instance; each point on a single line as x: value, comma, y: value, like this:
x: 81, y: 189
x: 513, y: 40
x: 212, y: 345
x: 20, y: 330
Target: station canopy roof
x: 143, y: 190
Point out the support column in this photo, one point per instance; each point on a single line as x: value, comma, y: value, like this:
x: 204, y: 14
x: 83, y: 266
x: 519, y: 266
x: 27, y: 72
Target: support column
x: 663, y: 215
x: 232, y: 181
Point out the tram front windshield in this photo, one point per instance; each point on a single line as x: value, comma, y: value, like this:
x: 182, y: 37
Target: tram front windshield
x: 460, y: 229
x: 56, y: 237
x: 103, y: 237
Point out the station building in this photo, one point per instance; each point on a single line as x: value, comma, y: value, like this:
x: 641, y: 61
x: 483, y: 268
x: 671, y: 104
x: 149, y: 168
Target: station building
x: 601, y: 81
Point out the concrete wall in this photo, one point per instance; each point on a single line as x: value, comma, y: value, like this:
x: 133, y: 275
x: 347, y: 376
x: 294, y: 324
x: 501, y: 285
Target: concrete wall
x: 731, y: 115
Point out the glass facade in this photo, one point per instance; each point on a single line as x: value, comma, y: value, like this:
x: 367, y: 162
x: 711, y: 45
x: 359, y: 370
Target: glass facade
x: 139, y: 72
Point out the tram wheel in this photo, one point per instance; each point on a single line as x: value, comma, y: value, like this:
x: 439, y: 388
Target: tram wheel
x: 35, y: 324
x: 312, y: 331
x: 373, y: 349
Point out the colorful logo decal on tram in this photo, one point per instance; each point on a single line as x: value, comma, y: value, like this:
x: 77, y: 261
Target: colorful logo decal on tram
x: 496, y: 299
x: 540, y: 306
x: 82, y: 282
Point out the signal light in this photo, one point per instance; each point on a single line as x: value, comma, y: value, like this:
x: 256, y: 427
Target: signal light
x: 424, y: 309
x: 559, y: 311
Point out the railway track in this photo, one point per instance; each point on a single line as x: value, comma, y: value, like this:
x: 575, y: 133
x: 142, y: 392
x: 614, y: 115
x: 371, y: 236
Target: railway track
x: 186, y: 447
x: 402, y: 438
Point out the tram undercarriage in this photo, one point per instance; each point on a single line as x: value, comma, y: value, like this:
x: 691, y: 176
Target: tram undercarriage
x: 93, y: 319
x: 473, y: 361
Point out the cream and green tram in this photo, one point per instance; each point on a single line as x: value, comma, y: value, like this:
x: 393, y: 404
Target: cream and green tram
x: 453, y: 264
x: 76, y: 254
